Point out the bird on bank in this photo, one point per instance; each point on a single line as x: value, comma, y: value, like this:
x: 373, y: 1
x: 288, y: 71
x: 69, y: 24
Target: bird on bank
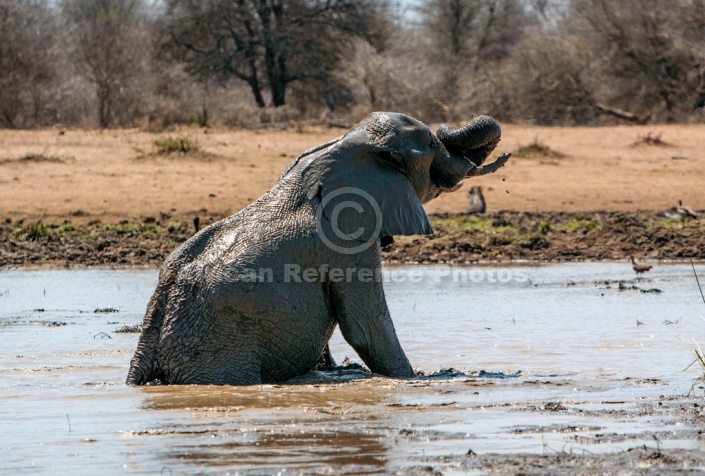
x: 477, y: 201
x: 685, y: 211
x: 197, y: 223
x: 681, y: 212
x: 639, y: 268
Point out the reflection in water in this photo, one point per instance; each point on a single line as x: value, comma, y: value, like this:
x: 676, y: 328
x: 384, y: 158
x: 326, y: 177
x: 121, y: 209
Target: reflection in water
x: 296, y: 450
x: 276, y: 426
x: 194, y: 397
x: 536, y: 360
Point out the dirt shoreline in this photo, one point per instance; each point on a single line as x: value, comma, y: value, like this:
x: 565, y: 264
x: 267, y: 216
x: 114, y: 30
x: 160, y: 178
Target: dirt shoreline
x: 458, y: 239
x: 115, y: 175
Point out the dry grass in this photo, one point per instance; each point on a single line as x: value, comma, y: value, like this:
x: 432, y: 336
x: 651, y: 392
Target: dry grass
x: 651, y: 140
x: 176, y: 145
x: 36, y: 157
x: 538, y: 149
x: 105, y: 182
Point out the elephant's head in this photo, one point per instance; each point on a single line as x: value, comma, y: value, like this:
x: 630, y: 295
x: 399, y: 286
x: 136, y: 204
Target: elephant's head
x: 372, y: 181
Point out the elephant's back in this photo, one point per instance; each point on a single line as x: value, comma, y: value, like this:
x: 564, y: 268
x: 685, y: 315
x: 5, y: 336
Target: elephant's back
x: 247, y: 322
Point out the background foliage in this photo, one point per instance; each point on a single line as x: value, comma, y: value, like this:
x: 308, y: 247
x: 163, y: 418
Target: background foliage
x: 155, y: 63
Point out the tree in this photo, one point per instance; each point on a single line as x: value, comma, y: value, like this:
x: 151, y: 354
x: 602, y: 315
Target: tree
x: 27, y: 37
x: 107, y: 44
x: 651, y: 50
x: 466, y: 35
x: 268, y: 44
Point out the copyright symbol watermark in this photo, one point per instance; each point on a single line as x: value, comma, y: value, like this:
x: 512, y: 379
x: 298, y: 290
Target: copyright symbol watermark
x: 348, y: 220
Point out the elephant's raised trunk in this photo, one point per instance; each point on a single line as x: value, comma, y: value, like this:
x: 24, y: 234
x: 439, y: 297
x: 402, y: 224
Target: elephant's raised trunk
x: 474, y: 141
x: 467, y: 147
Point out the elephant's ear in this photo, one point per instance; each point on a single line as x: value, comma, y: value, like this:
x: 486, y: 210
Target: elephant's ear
x: 361, y: 191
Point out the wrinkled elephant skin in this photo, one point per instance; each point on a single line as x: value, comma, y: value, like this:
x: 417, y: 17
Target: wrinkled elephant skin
x: 255, y: 297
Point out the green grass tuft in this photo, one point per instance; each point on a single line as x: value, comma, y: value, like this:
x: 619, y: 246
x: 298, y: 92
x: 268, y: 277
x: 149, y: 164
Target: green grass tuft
x: 670, y: 223
x: 32, y: 232
x: 464, y: 223
x: 579, y: 224
x: 180, y: 145
x: 65, y: 227
x: 544, y: 227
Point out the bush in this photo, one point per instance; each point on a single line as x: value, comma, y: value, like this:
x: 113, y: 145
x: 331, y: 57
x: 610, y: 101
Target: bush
x: 181, y: 145
x: 32, y: 232
x: 538, y: 149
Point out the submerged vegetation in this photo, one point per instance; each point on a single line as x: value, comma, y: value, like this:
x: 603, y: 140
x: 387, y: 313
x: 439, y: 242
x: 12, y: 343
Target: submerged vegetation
x: 136, y: 329
x: 699, y: 355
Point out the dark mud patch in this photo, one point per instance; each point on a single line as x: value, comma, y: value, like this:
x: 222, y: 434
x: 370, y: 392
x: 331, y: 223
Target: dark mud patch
x: 31, y: 322
x: 451, y: 373
x: 677, y: 407
x: 423, y: 435
x: 551, y: 237
x: 457, y: 239
x: 643, y: 460
x: 355, y: 371
x: 136, y: 329
x: 553, y: 428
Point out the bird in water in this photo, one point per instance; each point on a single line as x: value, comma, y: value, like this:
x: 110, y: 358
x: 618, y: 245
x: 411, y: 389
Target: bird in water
x: 639, y: 268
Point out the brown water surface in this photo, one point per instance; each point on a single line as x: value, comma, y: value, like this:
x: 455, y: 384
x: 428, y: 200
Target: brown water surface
x: 553, y: 358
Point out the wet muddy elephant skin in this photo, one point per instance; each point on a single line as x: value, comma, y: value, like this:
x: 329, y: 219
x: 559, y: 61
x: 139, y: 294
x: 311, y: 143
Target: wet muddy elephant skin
x: 255, y: 297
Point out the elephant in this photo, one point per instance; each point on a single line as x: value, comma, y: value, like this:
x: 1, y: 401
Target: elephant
x: 255, y: 297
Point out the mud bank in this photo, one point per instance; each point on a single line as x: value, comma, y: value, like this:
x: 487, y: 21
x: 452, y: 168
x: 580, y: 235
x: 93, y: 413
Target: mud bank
x: 552, y: 237
x: 458, y: 239
x: 644, y: 461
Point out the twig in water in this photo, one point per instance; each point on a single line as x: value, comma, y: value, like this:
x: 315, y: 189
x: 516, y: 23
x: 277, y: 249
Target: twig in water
x: 697, y: 280
x: 102, y: 335
x: 68, y: 420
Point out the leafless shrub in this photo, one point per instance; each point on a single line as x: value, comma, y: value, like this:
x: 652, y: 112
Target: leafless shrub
x: 28, y: 39
x: 651, y: 140
x: 651, y: 54
x: 108, y: 45
x: 553, y: 80
x: 162, y: 64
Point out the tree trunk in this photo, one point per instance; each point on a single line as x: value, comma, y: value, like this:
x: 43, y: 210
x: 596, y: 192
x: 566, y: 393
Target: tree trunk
x: 256, y: 92
x: 278, y: 92
x: 274, y: 57
x: 103, y: 93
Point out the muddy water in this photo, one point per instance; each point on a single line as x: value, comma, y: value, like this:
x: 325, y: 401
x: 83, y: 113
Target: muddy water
x: 553, y: 358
